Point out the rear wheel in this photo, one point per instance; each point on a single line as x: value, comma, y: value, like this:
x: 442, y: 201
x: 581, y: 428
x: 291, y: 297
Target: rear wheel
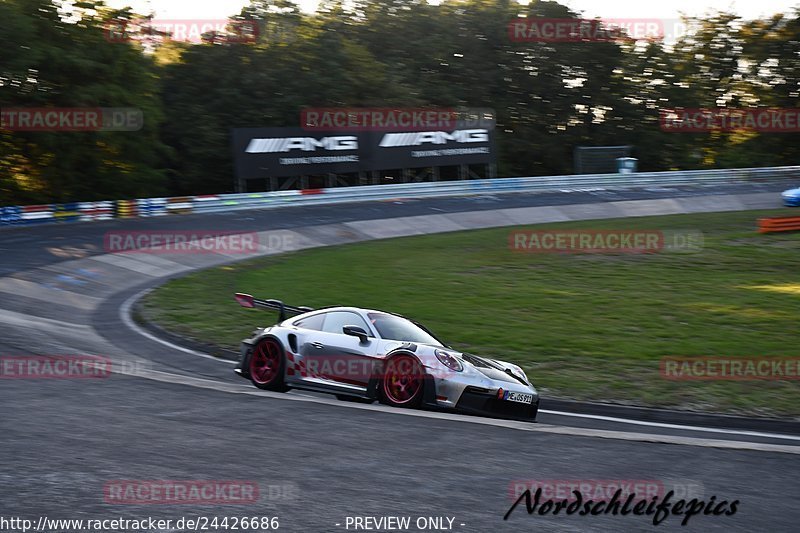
x: 267, y: 364
x: 403, y: 382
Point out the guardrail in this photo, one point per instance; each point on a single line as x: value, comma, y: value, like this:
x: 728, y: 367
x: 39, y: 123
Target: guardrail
x: 146, y: 207
x: 771, y: 225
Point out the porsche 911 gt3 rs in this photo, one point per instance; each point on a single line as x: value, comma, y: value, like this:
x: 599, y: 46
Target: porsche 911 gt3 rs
x: 367, y: 355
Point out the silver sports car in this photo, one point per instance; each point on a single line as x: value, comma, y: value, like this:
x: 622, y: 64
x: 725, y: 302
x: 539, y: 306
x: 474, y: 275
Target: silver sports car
x: 366, y: 355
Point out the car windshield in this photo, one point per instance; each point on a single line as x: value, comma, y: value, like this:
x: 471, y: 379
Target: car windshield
x: 400, y: 329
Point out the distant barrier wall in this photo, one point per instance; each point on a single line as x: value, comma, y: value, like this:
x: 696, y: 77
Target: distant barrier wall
x: 148, y: 207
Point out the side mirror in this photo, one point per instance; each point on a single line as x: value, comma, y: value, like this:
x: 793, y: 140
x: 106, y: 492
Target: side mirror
x: 356, y: 331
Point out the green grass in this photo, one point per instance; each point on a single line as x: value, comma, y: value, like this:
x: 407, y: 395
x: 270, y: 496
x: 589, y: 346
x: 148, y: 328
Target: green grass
x: 583, y: 326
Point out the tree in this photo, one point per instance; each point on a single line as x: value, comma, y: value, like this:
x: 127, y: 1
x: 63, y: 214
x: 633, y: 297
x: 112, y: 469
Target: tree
x: 65, y: 60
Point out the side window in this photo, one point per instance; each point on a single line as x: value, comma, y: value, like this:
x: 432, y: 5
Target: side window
x: 312, y: 322
x: 335, y: 321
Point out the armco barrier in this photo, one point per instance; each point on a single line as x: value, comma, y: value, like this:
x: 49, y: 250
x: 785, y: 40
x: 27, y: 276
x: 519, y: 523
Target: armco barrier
x: 268, y: 200
x: 127, y: 208
x: 253, y: 200
x: 199, y: 202
x: 152, y: 207
x: 180, y: 205
x: 87, y: 210
x: 67, y: 212
x: 96, y: 211
x: 10, y: 215
x: 37, y: 214
x: 771, y: 225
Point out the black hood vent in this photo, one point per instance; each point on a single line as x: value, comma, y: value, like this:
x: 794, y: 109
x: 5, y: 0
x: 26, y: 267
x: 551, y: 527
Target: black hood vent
x: 491, y: 369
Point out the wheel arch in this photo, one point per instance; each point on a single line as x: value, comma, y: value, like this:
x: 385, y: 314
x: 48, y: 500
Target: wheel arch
x: 264, y: 337
x: 428, y: 383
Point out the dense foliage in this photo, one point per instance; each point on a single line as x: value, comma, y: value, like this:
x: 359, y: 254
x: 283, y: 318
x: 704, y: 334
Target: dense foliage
x: 549, y: 97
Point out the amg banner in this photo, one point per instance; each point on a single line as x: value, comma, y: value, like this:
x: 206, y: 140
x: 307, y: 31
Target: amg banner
x: 415, y: 149
x: 280, y: 152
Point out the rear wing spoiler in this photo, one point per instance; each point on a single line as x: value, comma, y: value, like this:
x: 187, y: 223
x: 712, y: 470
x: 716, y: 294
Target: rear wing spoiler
x: 246, y: 300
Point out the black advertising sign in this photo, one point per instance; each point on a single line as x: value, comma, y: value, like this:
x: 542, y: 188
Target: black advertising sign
x: 281, y: 152
x: 414, y: 149
x: 266, y: 152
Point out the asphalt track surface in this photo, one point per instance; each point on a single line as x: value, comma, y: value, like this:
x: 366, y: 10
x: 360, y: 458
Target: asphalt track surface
x: 168, y: 413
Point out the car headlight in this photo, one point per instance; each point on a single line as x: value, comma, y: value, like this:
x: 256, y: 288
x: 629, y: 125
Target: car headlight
x: 449, y: 361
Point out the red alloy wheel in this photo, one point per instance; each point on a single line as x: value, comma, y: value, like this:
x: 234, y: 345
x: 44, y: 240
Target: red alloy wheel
x: 403, y: 381
x: 265, y: 363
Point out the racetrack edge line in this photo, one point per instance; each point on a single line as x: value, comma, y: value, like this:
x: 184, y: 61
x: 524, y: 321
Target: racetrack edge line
x: 220, y: 386
x: 126, y: 307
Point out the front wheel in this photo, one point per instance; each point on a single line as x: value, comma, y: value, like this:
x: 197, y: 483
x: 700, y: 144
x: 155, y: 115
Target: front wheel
x: 267, y: 364
x: 403, y: 382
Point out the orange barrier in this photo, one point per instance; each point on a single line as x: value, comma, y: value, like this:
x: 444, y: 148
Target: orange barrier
x: 770, y: 225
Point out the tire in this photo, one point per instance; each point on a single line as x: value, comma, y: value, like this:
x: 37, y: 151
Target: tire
x: 267, y: 366
x: 403, y: 382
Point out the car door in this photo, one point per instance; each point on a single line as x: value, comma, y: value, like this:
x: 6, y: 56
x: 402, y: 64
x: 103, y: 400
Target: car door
x: 309, y: 348
x: 345, y: 359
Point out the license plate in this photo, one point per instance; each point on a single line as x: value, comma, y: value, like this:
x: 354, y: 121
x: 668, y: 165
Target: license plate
x: 520, y: 397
